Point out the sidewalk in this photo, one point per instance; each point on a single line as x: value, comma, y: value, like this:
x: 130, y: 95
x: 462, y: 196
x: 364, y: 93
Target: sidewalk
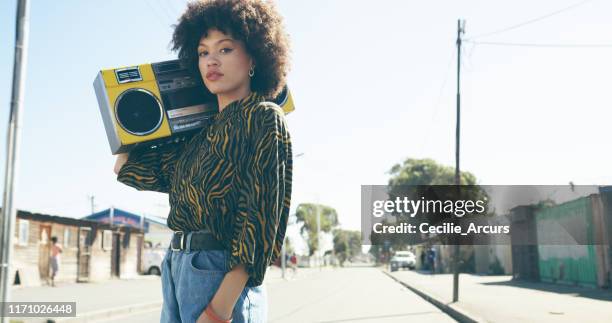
x: 95, y: 300
x: 499, y: 299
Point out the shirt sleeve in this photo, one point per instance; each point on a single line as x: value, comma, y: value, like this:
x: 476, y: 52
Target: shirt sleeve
x: 264, y: 194
x: 150, y: 169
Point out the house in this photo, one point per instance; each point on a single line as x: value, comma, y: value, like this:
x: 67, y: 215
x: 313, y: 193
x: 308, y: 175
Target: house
x: 156, y: 232
x: 93, y: 251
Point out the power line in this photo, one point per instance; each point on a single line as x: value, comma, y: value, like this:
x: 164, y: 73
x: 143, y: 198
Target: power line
x: 168, y: 11
x: 438, y: 100
x: 159, y: 18
x: 542, y: 45
x: 554, y: 13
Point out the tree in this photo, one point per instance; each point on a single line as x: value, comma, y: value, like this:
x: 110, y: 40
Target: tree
x: 426, y: 172
x: 346, y: 244
x: 306, y: 214
x: 425, y: 178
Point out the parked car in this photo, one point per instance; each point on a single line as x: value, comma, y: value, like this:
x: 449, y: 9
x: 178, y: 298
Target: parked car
x: 152, y: 261
x: 403, y: 259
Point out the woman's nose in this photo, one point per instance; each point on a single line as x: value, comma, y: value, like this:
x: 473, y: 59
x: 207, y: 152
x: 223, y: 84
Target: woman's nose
x: 212, y: 61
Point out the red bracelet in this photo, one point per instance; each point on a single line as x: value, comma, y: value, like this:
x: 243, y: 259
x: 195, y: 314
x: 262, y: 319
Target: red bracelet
x: 209, y: 311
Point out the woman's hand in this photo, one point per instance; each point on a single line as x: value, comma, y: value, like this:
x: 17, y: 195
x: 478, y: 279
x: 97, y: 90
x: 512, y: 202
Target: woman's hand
x: 204, y: 319
x: 121, y: 159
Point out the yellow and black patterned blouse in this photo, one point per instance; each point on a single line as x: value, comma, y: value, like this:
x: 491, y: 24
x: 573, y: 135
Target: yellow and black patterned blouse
x: 233, y: 178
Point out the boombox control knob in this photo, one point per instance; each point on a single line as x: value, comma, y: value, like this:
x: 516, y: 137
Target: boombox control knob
x: 138, y: 111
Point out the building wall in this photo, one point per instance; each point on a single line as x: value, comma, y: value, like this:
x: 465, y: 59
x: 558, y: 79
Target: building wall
x: 68, y: 264
x: 100, y: 261
x: 30, y: 259
x: 25, y: 257
x: 129, y: 256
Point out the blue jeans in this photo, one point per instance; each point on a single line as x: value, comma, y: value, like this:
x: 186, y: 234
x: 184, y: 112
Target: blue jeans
x: 190, y: 279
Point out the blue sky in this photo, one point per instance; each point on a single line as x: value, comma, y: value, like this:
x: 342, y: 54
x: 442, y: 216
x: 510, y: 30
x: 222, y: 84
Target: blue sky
x: 373, y: 83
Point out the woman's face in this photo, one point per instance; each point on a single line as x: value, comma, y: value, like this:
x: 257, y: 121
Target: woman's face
x: 224, y: 63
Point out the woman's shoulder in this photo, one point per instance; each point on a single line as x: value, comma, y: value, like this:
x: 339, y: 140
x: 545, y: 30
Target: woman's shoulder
x: 264, y: 114
x: 265, y: 109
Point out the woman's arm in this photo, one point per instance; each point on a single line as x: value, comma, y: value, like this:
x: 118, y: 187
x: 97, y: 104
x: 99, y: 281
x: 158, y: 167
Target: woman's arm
x: 148, y: 169
x: 227, y: 295
x: 121, y: 159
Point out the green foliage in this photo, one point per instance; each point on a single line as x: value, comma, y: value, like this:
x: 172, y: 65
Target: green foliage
x: 346, y: 244
x: 426, y: 172
x: 416, y: 178
x: 306, y: 214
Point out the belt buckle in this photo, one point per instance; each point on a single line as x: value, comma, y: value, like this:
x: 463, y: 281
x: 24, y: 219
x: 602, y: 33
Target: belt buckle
x: 180, y: 243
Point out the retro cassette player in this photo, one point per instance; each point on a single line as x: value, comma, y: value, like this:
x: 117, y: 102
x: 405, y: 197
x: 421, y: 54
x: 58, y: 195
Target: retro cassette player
x: 156, y: 104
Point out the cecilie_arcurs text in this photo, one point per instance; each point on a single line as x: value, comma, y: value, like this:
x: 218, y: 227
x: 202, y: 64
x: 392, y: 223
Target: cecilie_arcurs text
x: 443, y: 228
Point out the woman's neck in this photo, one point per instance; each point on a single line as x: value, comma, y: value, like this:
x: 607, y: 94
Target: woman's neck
x: 226, y: 98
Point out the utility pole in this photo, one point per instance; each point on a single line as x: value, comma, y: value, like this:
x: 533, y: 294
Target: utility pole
x: 91, y: 200
x: 319, y: 251
x: 111, y: 216
x: 8, y: 211
x: 283, y: 258
x: 460, y: 31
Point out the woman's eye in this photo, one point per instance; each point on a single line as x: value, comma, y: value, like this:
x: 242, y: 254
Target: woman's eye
x: 226, y: 50
x: 202, y: 54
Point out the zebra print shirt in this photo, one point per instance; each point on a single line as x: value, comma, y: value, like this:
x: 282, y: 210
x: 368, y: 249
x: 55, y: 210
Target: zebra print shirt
x: 233, y: 178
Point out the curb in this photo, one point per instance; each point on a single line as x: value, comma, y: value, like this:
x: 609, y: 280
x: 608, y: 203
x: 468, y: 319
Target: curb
x: 110, y: 313
x: 451, y: 309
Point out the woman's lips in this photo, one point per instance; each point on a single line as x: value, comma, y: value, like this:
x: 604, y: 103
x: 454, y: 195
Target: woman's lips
x: 213, y: 76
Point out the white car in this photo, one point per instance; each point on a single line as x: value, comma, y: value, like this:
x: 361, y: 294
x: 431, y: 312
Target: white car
x: 152, y: 261
x: 403, y: 259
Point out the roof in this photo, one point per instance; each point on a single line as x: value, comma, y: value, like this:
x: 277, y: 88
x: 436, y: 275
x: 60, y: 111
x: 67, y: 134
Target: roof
x: 67, y: 221
x: 126, y: 218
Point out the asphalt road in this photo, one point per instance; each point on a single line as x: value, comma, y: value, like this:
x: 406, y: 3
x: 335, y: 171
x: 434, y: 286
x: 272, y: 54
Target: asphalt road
x: 354, y: 294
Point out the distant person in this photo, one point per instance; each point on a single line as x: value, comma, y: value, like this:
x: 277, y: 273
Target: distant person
x: 293, y: 262
x: 432, y: 259
x: 423, y: 264
x: 54, y: 259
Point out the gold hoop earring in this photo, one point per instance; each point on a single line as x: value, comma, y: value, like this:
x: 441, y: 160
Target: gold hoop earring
x: 252, y: 71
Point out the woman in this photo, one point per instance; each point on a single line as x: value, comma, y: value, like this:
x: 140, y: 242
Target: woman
x: 229, y: 185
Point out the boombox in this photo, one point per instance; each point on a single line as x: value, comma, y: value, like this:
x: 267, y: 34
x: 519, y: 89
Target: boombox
x: 156, y: 104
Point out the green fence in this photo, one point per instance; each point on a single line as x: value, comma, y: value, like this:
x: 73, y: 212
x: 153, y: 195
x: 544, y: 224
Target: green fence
x: 567, y: 264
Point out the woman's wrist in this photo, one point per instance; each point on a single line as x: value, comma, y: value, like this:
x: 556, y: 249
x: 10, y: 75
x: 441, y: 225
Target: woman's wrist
x: 210, y: 312
x: 221, y: 309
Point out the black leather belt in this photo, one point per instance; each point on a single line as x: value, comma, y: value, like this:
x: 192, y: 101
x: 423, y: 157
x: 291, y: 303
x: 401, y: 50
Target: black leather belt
x: 200, y: 240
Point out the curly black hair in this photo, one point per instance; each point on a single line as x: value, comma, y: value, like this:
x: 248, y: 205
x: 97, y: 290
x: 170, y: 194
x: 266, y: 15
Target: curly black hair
x: 256, y: 23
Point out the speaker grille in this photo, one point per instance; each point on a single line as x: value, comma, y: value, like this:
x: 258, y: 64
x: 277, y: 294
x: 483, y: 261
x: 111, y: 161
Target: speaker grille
x: 138, y: 112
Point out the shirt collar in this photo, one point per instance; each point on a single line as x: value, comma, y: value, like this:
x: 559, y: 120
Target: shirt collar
x: 237, y: 105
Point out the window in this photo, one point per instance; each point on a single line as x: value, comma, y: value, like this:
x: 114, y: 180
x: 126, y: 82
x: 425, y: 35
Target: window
x: 68, y: 238
x: 107, y: 240
x: 24, y: 232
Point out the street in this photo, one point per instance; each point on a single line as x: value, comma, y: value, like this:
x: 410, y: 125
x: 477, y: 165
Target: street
x: 350, y: 294
x: 354, y: 294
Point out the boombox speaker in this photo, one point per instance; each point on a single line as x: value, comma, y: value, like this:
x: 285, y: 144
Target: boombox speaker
x: 156, y: 104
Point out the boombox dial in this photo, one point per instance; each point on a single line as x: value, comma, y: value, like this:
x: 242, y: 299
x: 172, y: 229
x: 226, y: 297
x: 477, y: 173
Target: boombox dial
x: 138, y: 112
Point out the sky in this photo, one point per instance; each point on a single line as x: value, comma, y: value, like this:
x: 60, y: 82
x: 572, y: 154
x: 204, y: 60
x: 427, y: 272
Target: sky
x: 374, y: 83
